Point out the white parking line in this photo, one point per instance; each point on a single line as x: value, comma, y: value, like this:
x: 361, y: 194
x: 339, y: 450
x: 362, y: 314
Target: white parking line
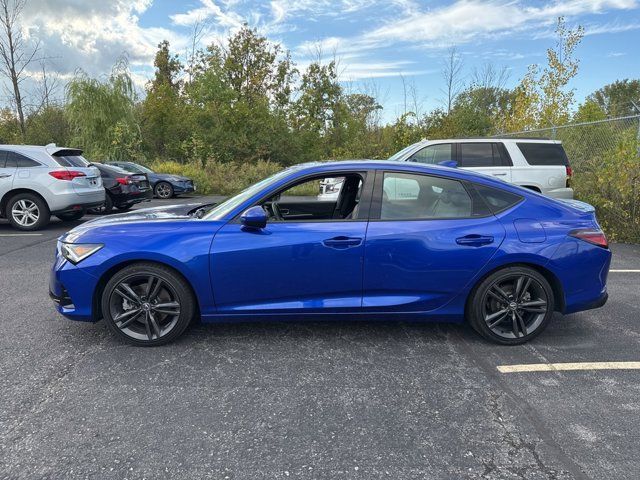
x: 557, y: 367
x: 623, y: 270
x: 21, y: 234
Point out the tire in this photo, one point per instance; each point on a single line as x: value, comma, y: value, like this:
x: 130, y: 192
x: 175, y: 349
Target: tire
x: 511, y: 306
x: 27, y: 212
x: 124, y: 208
x: 71, y: 216
x: 106, y: 209
x: 163, y: 190
x: 147, y: 314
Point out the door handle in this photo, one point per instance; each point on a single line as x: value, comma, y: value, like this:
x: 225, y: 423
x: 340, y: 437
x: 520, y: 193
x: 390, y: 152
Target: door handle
x: 5, y: 175
x: 342, y: 242
x: 474, y: 240
x: 499, y: 174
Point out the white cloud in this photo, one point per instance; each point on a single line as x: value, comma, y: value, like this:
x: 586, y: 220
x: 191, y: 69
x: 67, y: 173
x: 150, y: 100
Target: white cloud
x: 208, y: 11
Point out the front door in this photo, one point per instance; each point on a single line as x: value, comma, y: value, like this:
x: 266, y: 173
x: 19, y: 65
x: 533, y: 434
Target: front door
x: 425, y: 244
x: 308, y: 258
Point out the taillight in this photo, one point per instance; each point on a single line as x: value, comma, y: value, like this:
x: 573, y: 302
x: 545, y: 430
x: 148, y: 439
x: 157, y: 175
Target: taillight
x: 66, y: 174
x: 124, y: 181
x: 569, y: 171
x: 593, y: 236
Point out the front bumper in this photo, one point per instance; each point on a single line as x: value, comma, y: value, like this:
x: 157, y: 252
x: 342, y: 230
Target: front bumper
x: 71, y: 289
x: 183, y: 187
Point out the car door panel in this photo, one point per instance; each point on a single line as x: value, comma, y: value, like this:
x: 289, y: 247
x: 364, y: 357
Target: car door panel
x: 419, y: 265
x: 288, y: 267
x: 306, y: 210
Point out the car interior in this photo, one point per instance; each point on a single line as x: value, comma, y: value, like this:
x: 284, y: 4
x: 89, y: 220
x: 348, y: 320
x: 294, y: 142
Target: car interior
x: 303, y: 201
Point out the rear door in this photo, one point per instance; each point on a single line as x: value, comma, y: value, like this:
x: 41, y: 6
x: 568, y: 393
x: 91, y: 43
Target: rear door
x: 427, y: 239
x: 490, y: 158
x: 434, y: 154
x: 7, y: 173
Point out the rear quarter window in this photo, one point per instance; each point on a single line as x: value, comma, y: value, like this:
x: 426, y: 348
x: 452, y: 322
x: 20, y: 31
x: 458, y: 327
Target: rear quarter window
x: 496, y: 199
x: 543, y: 153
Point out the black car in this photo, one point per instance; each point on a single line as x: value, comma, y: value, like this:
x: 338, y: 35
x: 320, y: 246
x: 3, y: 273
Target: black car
x: 165, y: 185
x: 123, y: 188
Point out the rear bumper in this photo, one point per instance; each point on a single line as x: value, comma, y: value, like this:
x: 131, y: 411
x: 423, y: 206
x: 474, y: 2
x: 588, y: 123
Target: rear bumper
x: 67, y: 202
x: 564, y: 193
x: 132, y: 197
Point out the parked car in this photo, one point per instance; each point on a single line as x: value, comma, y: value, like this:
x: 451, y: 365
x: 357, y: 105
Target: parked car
x: 123, y: 189
x: 164, y: 185
x: 37, y: 182
x: 538, y: 164
x: 466, y: 246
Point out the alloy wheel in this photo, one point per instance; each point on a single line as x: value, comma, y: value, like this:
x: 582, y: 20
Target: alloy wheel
x: 514, y: 306
x: 163, y: 190
x: 25, y: 212
x: 144, y: 307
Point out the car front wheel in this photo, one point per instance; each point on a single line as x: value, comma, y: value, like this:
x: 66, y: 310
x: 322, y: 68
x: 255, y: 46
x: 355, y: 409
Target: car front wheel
x: 164, y: 190
x: 511, y: 306
x: 26, y: 211
x: 147, y: 304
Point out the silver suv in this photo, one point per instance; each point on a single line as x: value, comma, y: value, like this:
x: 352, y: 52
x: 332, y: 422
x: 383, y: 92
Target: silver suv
x: 37, y: 182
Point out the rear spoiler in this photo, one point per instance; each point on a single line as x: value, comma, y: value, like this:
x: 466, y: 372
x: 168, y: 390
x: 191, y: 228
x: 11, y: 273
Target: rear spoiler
x: 578, y: 205
x: 63, y: 152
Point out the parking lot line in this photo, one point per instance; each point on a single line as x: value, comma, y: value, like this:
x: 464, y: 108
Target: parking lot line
x: 556, y: 367
x: 624, y: 270
x: 21, y: 234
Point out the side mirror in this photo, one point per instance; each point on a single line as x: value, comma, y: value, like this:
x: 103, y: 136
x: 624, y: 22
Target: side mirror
x: 254, y: 217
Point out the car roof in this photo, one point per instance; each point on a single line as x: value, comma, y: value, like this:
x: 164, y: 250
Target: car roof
x: 321, y: 167
x: 487, y: 139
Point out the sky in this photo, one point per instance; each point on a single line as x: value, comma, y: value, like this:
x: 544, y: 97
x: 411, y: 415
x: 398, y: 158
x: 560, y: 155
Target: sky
x: 381, y: 45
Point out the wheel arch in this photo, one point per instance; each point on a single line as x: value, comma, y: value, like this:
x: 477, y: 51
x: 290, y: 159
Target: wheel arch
x: 15, y: 191
x: 554, y: 281
x: 106, y: 276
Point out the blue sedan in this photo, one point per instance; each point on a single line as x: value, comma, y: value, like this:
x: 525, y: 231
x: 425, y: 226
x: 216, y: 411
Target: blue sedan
x: 400, y: 241
x: 164, y: 185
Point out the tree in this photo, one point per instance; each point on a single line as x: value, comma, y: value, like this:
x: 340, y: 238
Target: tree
x: 452, y: 74
x: 102, y: 115
x: 15, y: 54
x: 619, y: 98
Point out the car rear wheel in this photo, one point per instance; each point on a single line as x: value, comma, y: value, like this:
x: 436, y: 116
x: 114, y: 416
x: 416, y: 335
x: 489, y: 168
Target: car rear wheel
x: 163, y: 190
x: 511, y: 306
x: 105, y: 209
x: 71, y: 216
x: 147, y: 304
x: 26, y: 211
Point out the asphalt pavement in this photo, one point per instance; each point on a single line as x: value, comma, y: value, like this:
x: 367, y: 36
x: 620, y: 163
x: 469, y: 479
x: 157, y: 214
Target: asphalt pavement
x: 360, y: 400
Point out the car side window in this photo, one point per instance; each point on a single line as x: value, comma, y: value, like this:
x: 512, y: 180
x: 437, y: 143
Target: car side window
x: 317, y: 199
x: 3, y: 158
x: 480, y: 154
x: 407, y: 196
x: 497, y: 200
x: 20, y: 161
x: 434, y: 154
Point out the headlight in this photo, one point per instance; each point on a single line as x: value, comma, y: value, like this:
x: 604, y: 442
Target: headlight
x: 76, y: 252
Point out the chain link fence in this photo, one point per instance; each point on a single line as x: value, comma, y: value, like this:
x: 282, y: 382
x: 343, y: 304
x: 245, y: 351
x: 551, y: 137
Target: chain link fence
x: 605, y: 157
x: 588, y: 142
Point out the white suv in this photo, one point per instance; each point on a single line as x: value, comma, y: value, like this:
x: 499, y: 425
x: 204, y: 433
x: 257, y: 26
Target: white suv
x: 37, y: 182
x: 539, y: 165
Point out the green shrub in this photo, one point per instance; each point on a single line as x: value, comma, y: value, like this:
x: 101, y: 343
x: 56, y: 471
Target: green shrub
x: 218, y: 178
x: 611, y: 183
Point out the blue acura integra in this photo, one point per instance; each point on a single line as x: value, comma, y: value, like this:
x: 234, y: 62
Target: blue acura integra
x: 399, y: 241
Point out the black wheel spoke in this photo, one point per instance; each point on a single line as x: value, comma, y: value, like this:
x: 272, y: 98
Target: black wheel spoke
x: 130, y: 320
x: 126, y: 314
x: 535, y: 306
x: 518, y: 287
x: 514, y: 322
x: 521, y: 323
x: 154, y: 324
x: 171, y: 308
x: 523, y: 291
x: 125, y: 291
x: 501, y: 294
x: 153, y: 288
x: 147, y: 326
x: 498, y: 320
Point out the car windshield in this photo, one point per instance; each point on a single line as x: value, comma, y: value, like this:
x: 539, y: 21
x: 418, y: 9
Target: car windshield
x: 400, y: 154
x: 222, y: 209
x: 137, y: 168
